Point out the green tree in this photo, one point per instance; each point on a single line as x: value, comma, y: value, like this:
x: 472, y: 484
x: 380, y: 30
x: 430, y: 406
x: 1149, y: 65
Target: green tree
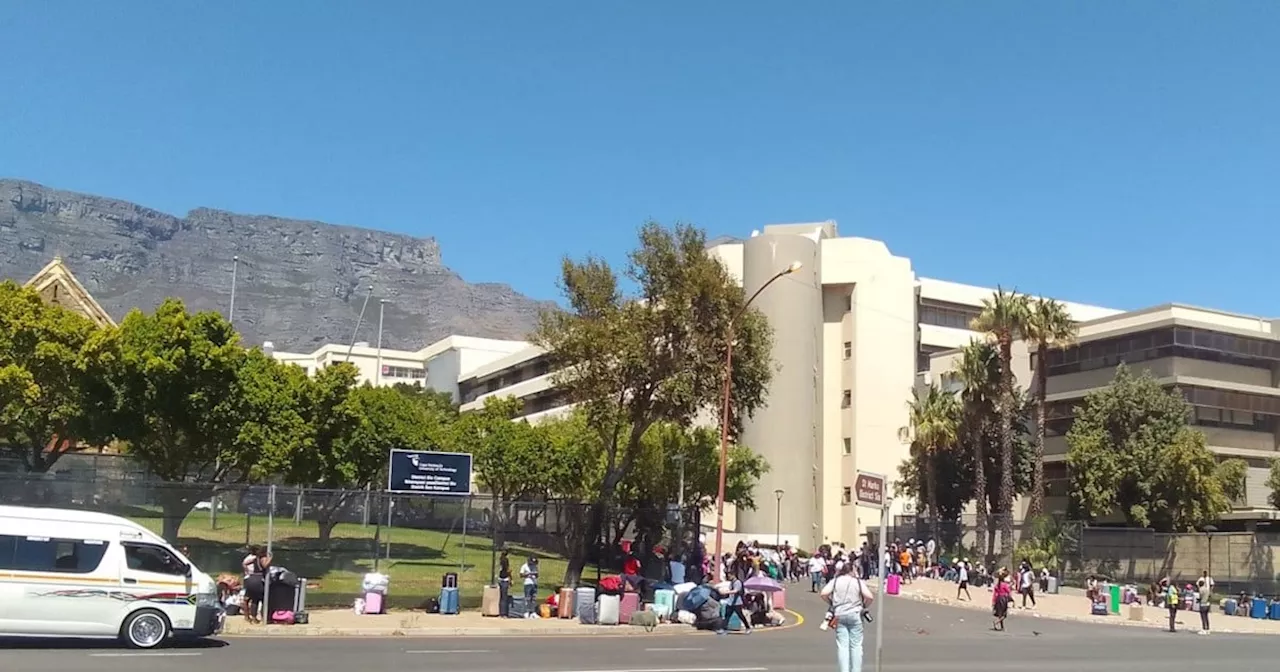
x: 979, y: 374
x: 934, y: 417
x: 1232, y: 474
x: 50, y: 399
x: 199, y: 410
x: 1003, y: 319
x: 512, y: 459
x: 1048, y: 326
x: 654, y: 483
x: 631, y: 361
x: 1132, y: 451
x: 436, y: 403
x: 1273, y: 484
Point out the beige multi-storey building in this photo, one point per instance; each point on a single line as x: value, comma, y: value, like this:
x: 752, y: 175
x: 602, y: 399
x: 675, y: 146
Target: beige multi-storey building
x: 1226, y: 365
x: 852, y: 328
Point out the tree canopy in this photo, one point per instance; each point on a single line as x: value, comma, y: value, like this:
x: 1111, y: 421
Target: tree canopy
x: 631, y: 361
x: 50, y: 399
x: 1133, y: 453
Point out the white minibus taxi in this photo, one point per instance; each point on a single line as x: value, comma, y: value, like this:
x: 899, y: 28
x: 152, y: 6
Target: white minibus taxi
x: 68, y: 573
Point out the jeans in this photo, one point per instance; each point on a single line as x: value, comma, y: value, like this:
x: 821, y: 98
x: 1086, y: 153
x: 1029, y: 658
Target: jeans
x: 849, y: 644
x: 504, y: 597
x: 816, y: 579
x: 1204, y: 617
x: 530, y: 598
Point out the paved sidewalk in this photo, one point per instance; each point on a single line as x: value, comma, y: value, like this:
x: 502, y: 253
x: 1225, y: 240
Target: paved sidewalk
x: 1072, y: 605
x: 345, y: 623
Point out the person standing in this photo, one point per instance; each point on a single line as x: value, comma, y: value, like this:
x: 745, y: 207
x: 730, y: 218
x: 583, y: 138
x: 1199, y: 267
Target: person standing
x: 849, y: 597
x: 1027, y: 584
x: 817, y: 565
x: 1204, y: 594
x: 504, y: 584
x: 529, y: 572
x: 1171, y: 599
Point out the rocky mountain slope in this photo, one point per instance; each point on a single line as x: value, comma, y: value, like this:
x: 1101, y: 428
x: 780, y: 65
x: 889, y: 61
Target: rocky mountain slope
x: 299, y: 284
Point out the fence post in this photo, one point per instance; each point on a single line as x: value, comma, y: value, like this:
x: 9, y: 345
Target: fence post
x: 493, y: 541
x: 462, y: 558
x: 391, y: 505
x: 271, y: 531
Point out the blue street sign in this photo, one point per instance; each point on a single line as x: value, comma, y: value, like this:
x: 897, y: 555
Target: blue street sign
x: 425, y: 472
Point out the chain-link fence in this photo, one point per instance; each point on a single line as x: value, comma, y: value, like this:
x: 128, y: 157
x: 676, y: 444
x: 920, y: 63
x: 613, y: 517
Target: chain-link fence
x: 334, y: 537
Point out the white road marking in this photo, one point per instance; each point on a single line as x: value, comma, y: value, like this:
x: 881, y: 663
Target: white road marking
x: 156, y: 654
x: 675, y: 649
x: 450, y: 651
x: 686, y: 669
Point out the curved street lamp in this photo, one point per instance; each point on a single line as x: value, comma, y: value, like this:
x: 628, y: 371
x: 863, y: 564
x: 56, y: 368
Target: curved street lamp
x: 724, y: 414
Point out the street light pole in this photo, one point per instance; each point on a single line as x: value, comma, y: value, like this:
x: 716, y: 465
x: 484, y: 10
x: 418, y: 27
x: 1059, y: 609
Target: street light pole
x: 359, y: 321
x: 377, y: 374
x: 231, y: 320
x: 724, y: 415
x: 777, y: 523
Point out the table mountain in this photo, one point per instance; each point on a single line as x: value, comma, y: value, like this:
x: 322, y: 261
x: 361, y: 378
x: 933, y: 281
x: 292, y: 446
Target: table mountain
x: 299, y: 284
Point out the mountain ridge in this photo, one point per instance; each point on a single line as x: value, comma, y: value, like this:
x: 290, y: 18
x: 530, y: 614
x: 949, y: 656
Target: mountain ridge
x: 299, y: 283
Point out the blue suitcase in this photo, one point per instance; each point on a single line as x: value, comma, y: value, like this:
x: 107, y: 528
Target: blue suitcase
x: 1229, y: 607
x: 449, y: 601
x: 1257, y: 608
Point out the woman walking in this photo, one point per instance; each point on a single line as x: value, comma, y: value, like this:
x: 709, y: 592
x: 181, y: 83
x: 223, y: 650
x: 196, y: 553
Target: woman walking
x: 849, y: 598
x: 1001, y: 598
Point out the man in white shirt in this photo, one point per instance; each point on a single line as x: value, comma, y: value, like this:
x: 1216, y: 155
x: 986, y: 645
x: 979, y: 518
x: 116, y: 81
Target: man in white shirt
x: 529, y: 572
x: 817, y: 566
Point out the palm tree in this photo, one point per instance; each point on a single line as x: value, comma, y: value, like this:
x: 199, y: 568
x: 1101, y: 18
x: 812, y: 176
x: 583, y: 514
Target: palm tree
x: 1048, y: 326
x: 934, y: 416
x: 1003, y: 320
x: 979, y: 373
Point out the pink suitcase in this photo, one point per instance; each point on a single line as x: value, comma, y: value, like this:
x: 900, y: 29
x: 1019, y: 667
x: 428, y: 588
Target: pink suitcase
x: 895, y: 582
x: 630, y: 603
x: 373, y: 603
x: 780, y: 600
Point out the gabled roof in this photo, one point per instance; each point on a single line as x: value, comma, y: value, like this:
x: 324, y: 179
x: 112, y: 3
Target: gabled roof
x: 56, y: 284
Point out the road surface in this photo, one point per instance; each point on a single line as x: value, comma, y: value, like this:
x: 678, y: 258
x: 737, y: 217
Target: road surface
x: 920, y: 638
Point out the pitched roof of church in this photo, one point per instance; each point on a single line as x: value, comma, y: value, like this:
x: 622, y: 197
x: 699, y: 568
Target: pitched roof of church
x: 66, y: 290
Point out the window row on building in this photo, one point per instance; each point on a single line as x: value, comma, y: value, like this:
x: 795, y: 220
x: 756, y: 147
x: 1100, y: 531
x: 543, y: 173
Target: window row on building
x: 408, y: 372
x: 1166, y: 342
x: 951, y: 315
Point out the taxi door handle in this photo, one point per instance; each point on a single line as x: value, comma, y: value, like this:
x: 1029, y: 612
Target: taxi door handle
x: 131, y: 581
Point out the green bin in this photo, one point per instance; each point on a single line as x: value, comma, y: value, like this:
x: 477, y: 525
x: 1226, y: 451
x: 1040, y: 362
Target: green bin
x: 1114, y: 603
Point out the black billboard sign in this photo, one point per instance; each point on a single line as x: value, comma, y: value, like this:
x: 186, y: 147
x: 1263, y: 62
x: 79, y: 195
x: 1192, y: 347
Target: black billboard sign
x: 425, y: 472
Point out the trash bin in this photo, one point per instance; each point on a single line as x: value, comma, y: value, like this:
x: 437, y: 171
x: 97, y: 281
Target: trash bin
x: 1114, y: 603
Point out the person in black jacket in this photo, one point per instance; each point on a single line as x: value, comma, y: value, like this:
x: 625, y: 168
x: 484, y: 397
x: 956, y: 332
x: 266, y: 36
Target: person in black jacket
x: 504, y: 584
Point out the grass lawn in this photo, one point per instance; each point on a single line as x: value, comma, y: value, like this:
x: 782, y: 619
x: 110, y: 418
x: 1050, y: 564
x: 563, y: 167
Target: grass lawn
x: 418, y: 560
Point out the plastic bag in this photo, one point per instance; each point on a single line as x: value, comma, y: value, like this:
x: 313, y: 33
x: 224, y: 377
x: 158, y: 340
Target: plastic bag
x: 376, y: 583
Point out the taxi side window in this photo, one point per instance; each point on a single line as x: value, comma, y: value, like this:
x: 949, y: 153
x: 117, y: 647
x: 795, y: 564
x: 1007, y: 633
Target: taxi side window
x: 154, y: 559
x: 44, y: 554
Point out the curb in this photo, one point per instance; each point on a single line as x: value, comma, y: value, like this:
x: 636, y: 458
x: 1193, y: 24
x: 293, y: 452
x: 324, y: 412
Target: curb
x: 665, y: 630
x: 1095, y: 620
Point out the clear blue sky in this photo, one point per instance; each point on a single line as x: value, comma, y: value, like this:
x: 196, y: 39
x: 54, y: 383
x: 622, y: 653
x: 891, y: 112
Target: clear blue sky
x: 1118, y: 153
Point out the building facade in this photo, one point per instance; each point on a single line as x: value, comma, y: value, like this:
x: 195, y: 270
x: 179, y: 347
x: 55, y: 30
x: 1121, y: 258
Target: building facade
x: 852, y: 331
x: 439, y: 366
x: 1227, y: 366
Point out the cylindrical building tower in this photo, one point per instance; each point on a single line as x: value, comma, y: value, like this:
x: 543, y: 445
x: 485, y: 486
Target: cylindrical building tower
x: 787, y: 430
